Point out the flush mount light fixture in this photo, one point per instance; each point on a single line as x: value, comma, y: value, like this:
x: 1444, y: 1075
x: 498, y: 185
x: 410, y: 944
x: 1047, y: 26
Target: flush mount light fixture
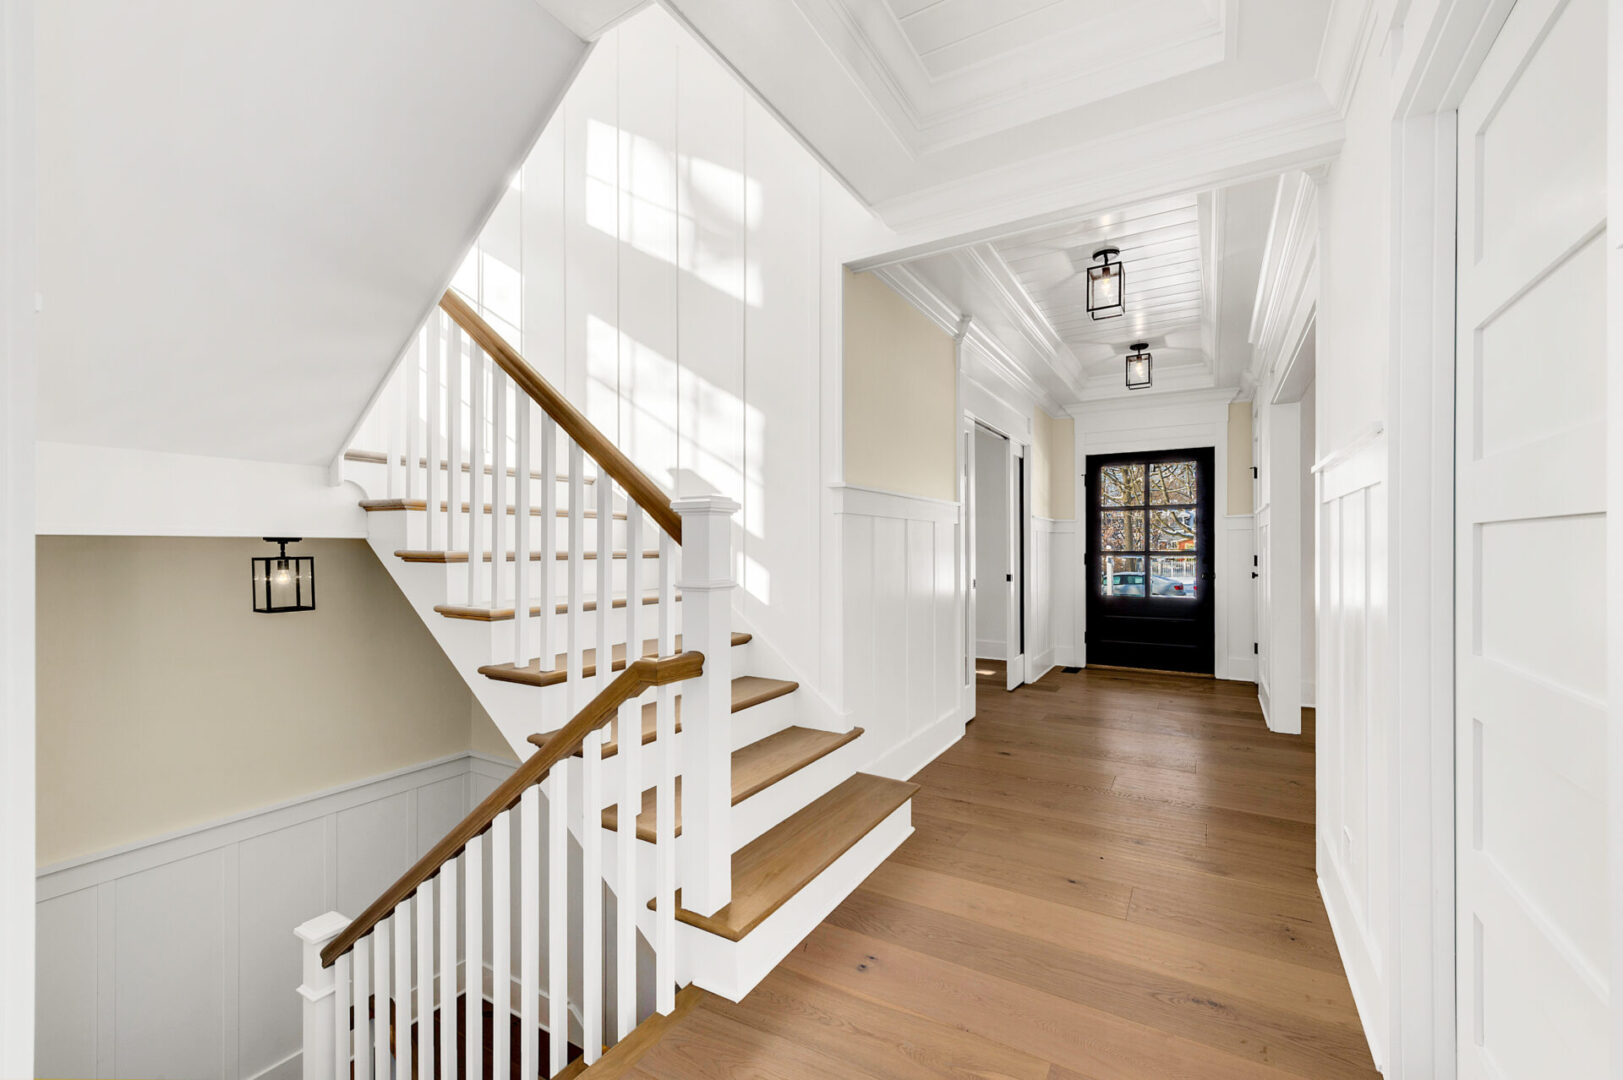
x: 284, y: 582
x: 1138, y: 367
x: 1106, y: 296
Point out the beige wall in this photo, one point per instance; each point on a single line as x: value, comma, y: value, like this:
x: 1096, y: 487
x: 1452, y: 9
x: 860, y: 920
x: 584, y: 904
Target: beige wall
x: 1053, y: 459
x: 1239, y: 457
x: 165, y: 702
x: 900, y: 394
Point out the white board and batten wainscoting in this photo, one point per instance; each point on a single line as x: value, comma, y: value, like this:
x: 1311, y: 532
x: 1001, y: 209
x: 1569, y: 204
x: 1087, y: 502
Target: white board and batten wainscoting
x: 903, y: 647
x: 176, y: 956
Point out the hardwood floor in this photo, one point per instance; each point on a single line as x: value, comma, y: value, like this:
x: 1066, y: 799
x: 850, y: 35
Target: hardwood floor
x: 1111, y: 879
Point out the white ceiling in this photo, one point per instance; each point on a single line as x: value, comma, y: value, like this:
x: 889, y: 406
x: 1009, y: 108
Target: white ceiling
x: 1191, y: 266
x: 972, y: 113
x: 245, y: 208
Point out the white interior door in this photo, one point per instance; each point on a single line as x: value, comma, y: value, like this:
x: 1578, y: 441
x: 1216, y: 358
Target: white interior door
x: 1531, y: 518
x: 1015, y: 670
x: 966, y: 437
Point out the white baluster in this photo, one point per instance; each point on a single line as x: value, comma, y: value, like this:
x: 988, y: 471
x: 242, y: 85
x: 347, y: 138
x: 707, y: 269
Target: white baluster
x: 402, y: 988
x: 414, y: 410
x: 323, y: 1000
x: 549, y: 534
x: 501, y: 943
x: 521, y: 536
x: 343, y: 1005
x: 473, y: 955
x: 665, y: 792
x: 436, y: 420
x: 576, y: 570
x: 557, y: 919
x: 424, y: 1011
x: 476, y: 476
x: 630, y: 742
x: 389, y: 416
x: 362, y: 1002
x: 707, y: 588
x: 498, y: 485
x: 529, y: 838
x: 591, y: 880
x: 448, y: 921
x: 381, y: 943
x: 605, y: 585
x: 453, y: 442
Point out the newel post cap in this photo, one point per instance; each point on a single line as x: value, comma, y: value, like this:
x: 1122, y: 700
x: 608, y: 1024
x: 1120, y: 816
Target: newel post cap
x: 704, y: 504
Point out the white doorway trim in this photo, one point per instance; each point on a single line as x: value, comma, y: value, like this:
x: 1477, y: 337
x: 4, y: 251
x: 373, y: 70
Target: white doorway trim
x: 981, y: 410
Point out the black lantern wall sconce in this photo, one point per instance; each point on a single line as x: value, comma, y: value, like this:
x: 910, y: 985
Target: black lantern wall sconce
x: 1107, y: 294
x: 284, y: 582
x: 1139, y: 366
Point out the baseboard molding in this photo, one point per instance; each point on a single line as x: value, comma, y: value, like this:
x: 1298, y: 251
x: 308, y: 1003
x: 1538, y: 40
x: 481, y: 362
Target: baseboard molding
x: 906, y: 760
x: 990, y: 650
x: 1352, y: 953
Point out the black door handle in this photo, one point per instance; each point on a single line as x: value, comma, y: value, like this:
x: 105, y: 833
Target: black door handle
x: 1008, y: 577
x: 1253, y: 573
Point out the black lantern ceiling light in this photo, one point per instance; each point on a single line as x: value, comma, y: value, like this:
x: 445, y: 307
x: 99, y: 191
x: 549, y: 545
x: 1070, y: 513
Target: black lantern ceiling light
x: 1139, y: 366
x: 284, y: 582
x: 1107, y: 295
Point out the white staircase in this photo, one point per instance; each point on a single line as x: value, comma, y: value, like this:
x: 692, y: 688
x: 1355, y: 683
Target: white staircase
x: 705, y: 797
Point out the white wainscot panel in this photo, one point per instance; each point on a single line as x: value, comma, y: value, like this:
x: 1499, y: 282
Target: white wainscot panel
x: 1235, y: 578
x: 176, y: 956
x: 903, y: 645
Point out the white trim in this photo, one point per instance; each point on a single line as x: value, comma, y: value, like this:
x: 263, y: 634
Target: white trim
x: 907, y: 759
x: 1366, y: 438
x: 876, y: 502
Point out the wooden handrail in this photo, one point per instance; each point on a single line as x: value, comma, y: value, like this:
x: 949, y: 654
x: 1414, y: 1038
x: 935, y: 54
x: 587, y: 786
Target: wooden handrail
x: 633, y: 480
x: 638, y: 676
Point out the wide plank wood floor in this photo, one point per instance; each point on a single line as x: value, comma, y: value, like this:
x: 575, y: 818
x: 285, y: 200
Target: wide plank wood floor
x: 1111, y: 878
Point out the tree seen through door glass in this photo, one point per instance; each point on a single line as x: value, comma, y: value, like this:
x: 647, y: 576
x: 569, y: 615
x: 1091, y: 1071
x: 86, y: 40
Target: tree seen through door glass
x: 1122, y: 485
x: 1172, y: 530
x: 1172, y: 483
x: 1121, y: 530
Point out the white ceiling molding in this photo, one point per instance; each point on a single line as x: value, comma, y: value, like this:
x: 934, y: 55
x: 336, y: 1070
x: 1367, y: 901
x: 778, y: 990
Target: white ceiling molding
x: 1348, y: 33
x: 974, y: 71
x: 940, y: 311
x: 1151, y: 399
x: 591, y: 19
x: 1289, y: 127
x: 1017, y: 306
x: 1289, y: 274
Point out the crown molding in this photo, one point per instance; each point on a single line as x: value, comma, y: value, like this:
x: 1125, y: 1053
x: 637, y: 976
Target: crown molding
x: 1285, y: 128
x: 1348, y: 33
x: 1018, y: 307
x: 932, y: 111
x: 963, y: 326
x: 1155, y: 398
x: 1288, y: 278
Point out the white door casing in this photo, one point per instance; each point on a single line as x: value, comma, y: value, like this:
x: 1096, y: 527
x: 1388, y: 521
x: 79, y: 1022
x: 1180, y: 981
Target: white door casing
x: 1019, y: 499
x: 1530, y: 736
x: 966, y: 436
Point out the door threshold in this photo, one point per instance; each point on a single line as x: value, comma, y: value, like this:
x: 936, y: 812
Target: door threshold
x: 1152, y: 671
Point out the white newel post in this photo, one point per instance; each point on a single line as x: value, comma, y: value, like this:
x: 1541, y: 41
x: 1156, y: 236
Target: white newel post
x: 320, y: 1032
x: 707, y: 605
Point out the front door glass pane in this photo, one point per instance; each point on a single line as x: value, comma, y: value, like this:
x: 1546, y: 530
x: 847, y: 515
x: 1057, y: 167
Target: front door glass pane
x: 1121, y: 485
x: 1123, y: 576
x: 1121, y: 530
x: 1173, y: 576
x: 1172, y: 483
x: 1172, y: 530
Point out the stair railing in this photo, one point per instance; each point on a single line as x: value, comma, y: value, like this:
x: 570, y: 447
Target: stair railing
x: 478, y: 439
x: 363, y: 995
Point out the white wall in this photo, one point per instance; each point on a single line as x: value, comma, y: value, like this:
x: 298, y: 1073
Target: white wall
x: 992, y: 518
x: 1175, y: 421
x: 212, y: 910
x: 17, y: 431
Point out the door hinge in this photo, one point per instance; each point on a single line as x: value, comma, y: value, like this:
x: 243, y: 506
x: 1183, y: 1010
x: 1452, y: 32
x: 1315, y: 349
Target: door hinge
x: 1255, y: 651
x: 1254, y: 561
x: 1008, y: 577
x: 1253, y: 472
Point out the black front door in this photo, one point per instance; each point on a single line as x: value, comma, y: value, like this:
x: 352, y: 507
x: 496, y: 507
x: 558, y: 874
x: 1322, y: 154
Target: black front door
x: 1150, y: 571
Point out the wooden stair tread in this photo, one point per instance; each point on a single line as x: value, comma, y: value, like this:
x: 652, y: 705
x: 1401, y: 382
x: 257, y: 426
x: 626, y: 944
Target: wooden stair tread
x: 532, y: 674
x: 484, y: 614
x: 378, y: 457
x: 748, y: 692
x: 412, y: 555
x: 756, y: 767
x: 620, y: 1060
x: 772, y: 868
x: 373, y: 506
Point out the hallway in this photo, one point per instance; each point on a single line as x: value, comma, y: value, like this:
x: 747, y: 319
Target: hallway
x: 1111, y: 879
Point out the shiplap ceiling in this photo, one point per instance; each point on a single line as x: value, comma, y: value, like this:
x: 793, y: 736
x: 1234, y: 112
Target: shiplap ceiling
x: 1191, y: 266
x: 1162, y: 262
